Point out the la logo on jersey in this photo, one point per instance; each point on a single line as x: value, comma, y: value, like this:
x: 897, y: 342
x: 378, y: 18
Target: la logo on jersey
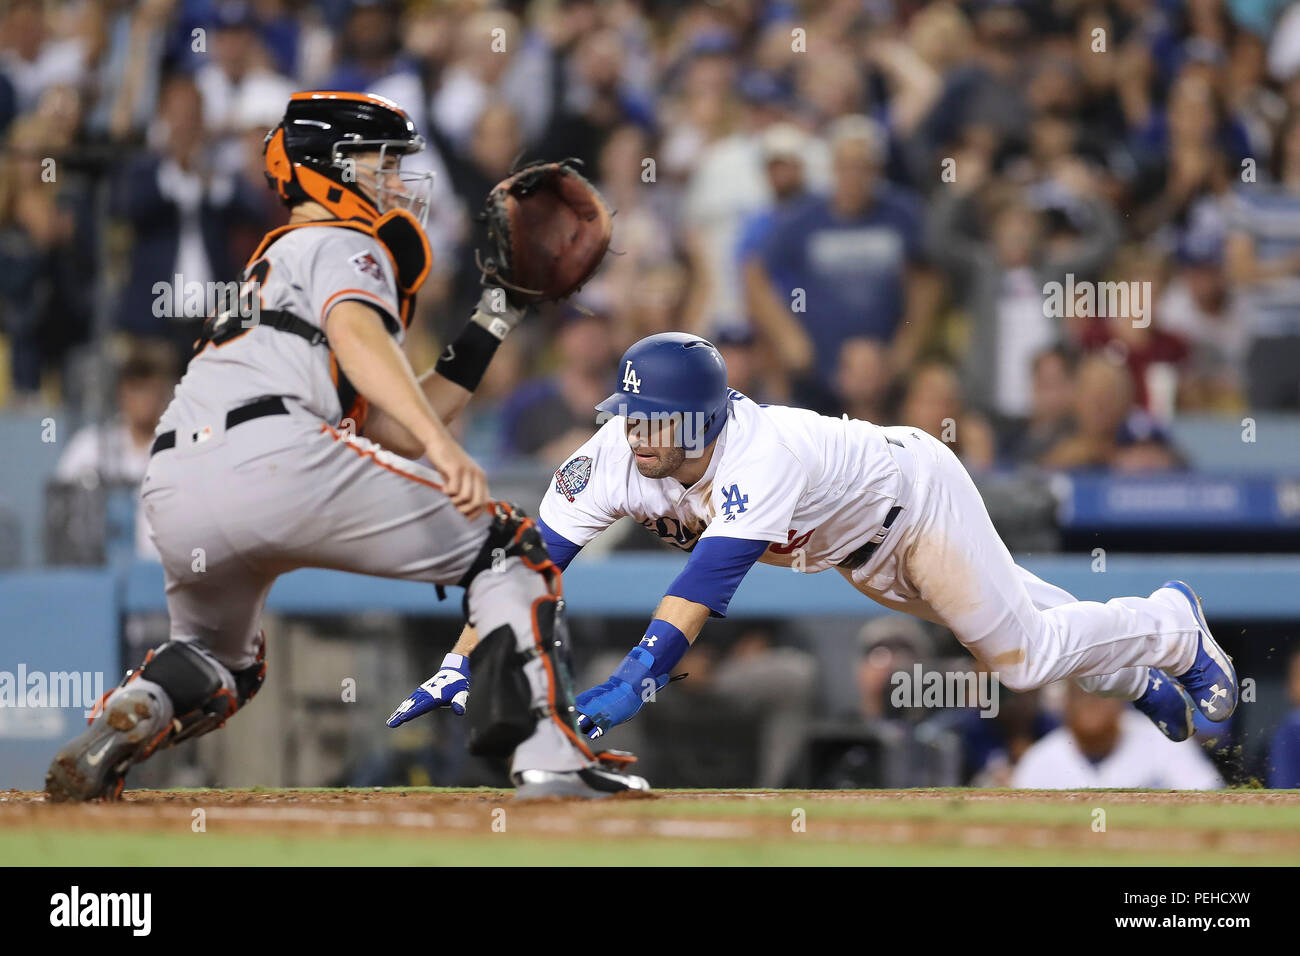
x: 631, y: 383
x: 732, y: 498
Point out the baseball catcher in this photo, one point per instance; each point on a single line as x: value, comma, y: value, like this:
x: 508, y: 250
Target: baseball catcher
x: 890, y: 508
x: 289, y: 440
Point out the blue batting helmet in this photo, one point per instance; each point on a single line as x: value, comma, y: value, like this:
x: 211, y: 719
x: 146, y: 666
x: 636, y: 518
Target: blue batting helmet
x: 673, y: 373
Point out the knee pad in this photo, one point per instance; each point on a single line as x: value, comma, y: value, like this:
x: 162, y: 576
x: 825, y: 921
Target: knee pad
x: 512, y: 534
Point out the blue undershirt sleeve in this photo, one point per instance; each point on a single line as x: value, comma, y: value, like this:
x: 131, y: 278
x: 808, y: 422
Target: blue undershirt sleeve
x: 560, y: 548
x: 714, y: 571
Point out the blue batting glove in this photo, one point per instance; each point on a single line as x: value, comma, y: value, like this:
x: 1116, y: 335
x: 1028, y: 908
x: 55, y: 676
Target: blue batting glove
x: 613, y: 702
x: 642, y: 674
x: 447, y: 688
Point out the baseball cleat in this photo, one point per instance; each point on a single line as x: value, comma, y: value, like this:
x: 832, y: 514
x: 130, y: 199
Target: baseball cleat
x: 94, y: 764
x: 1168, y: 705
x: 1212, y: 680
x: 590, y: 783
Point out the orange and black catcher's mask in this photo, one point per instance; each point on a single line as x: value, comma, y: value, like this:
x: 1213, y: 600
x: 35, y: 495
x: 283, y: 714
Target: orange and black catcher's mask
x: 321, y: 152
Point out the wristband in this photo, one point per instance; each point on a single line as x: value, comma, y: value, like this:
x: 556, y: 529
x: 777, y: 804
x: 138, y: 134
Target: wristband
x: 466, y: 359
x: 659, y: 652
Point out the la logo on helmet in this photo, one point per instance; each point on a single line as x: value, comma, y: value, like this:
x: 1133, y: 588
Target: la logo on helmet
x: 631, y: 383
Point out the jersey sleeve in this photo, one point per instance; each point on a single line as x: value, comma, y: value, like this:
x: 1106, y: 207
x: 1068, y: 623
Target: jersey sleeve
x: 714, y: 571
x: 560, y: 548
x: 755, y: 497
x: 351, y: 266
x: 579, y: 502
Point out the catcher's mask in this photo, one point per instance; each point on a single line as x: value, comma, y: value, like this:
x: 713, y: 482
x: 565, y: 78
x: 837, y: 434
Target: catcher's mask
x: 343, y: 151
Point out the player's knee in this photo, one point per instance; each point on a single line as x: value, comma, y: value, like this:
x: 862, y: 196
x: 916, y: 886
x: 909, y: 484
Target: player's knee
x: 1015, y: 676
x: 512, y: 565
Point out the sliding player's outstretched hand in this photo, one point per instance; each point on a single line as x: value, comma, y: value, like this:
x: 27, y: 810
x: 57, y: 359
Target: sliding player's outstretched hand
x: 447, y: 688
x: 614, y: 702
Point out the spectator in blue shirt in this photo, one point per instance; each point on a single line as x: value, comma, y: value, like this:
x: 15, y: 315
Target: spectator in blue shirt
x: 1284, y: 754
x: 845, y: 265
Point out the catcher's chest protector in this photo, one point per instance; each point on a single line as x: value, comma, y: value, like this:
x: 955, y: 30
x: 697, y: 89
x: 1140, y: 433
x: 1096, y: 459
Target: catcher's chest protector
x: 408, y: 249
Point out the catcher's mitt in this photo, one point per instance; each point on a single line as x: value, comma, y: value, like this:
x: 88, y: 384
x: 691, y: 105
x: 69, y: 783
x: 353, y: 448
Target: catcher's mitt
x: 551, y: 229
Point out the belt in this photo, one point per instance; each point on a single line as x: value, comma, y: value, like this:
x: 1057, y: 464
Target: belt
x: 236, y: 416
x: 901, y: 454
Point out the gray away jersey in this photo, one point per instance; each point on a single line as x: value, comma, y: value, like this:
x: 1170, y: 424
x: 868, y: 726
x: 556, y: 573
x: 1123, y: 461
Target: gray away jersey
x: 307, y: 271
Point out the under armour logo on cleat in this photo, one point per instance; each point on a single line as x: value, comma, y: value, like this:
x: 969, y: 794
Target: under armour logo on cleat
x: 1215, y: 693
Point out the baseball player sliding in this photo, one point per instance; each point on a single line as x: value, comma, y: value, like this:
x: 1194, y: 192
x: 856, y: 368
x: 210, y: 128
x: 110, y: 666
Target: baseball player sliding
x: 281, y: 450
x: 890, y: 508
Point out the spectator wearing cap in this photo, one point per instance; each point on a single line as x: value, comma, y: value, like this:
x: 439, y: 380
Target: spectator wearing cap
x: 1263, y: 266
x: 701, y: 107
x: 546, y: 418
x: 784, y: 149
x: 890, y: 645
x: 1143, y: 444
x: 848, y: 264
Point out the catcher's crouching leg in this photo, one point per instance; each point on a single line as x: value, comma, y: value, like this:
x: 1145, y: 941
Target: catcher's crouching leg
x: 522, y: 704
x: 180, y: 692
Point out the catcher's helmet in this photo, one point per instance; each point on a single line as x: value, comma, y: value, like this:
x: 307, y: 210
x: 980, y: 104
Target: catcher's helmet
x: 311, y: 155
x: 673, y: 373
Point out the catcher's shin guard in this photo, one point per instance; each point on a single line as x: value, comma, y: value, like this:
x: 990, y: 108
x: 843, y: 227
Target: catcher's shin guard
x: 522, y: 687
x: 180, y: 692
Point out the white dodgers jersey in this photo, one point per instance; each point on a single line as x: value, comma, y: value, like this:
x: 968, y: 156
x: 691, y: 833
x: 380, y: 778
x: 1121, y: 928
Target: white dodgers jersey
x: 815, y: 487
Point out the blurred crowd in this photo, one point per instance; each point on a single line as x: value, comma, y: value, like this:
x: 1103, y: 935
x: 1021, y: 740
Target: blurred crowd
x: 1058, y: 737
x: 863, y: 202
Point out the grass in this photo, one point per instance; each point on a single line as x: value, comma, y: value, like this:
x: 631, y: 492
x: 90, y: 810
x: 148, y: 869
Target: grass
x: 79, y: 848
x: 1194, y: 831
